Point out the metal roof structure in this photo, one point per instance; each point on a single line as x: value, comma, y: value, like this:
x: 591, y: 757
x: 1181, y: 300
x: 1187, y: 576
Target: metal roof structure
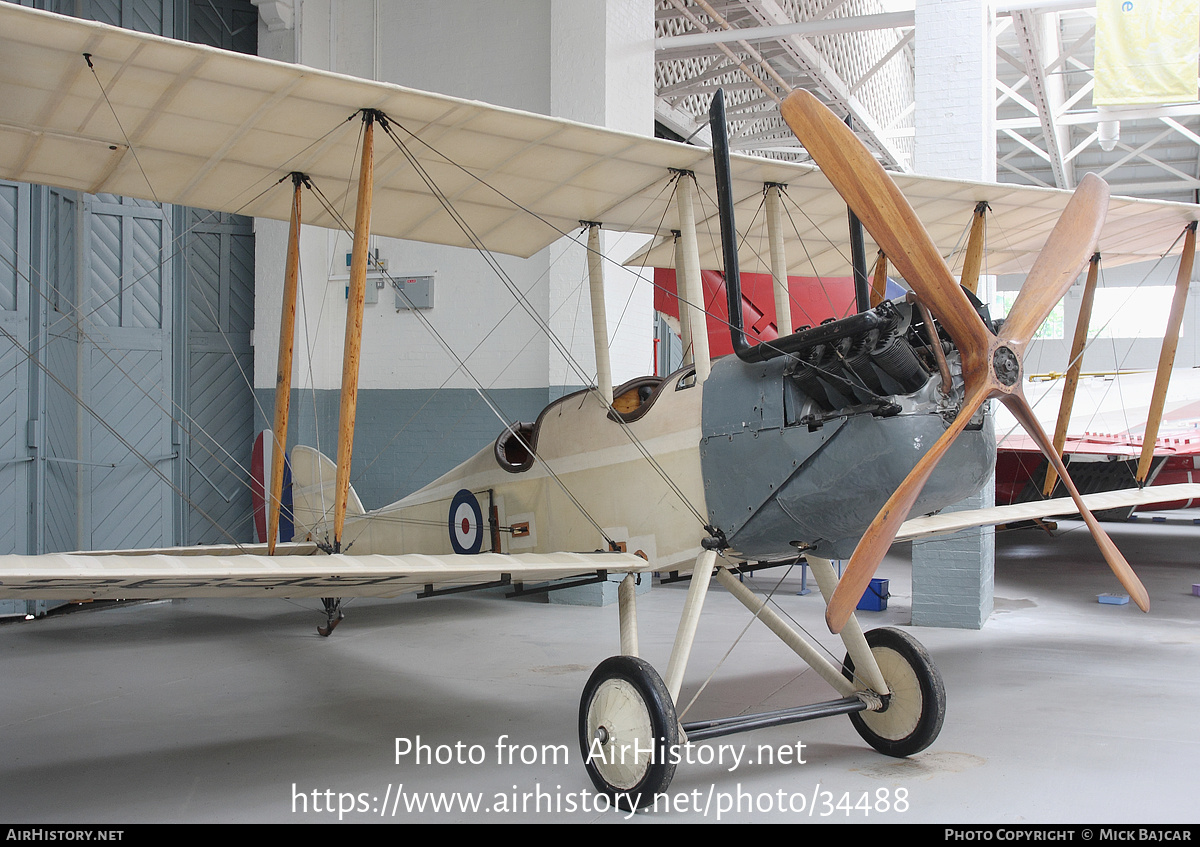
x: 857, y: 55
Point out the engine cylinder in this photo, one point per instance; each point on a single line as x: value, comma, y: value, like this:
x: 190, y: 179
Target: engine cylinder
x: 806, y: 378
x: 896, y: 358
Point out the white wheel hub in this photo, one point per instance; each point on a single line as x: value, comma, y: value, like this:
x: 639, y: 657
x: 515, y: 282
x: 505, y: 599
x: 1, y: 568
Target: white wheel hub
x: 622, y: 735
x: 904, y: 706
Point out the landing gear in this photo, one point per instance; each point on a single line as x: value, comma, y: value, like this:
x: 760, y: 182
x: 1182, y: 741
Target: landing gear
x: 628, y: 730
x: 333, y: 615
x: 913, y: 713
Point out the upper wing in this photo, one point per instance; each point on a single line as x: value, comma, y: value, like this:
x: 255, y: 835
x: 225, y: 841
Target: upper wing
x: 211, y: 129
x: 203, y: 127
x: 1019, y: 221
x: 948, y: 522
x: 152, y: 574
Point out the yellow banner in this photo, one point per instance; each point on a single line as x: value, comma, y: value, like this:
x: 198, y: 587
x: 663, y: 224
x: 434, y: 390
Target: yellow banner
x: 1146, y: 51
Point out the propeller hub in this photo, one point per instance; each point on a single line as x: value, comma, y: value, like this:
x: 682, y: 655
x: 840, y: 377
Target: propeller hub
x: 1006, y: 366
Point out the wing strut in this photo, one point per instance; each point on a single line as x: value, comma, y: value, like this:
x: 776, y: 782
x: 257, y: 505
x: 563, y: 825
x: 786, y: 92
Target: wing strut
x: 973, y: 261
x: 283, y: 375
x: 779, y: 267
x: 692, y: 318
x: 351, y: 352
x: 879, y: 280
x: 1166, y: 357
x: 599, y: 314
x: 1077, y: 344
x: 354, y: 323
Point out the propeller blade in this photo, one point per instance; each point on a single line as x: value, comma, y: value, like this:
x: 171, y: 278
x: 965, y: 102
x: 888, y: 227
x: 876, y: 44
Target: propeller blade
x: 886, y: 213
x: 879, y: 535
x: 991, y: 365
x: 1058, y: 265
x: 1019, y: 406
x: 1061, y: 261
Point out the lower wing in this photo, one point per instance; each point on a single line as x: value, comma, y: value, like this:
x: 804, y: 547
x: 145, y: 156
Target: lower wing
x: 230, y: 573
x: 948, y: 522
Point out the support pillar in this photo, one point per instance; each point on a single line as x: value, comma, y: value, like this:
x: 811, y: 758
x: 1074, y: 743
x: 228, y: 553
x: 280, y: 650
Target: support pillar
x: 955, y: 120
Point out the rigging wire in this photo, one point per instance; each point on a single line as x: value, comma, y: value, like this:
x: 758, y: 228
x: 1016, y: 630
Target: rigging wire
x: 1094, y: 336
x: 641, y: 268
x: 87, y: 57
x: 148, y: 462
x: 767, y: 599
x: 484, y: 183
x: 832, y: 309
x: 169, y: 406
x: 557, y: 343
x: 486, y: 397
x: 178, y: 240
x: 445, y: 431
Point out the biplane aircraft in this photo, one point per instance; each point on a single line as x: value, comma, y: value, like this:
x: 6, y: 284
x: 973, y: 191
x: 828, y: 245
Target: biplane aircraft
x: 1134, y: 429
x: 819, y: 443
x: 1105, y: 438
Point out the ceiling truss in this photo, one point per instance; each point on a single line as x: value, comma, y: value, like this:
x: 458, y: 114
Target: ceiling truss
x: 857, y: 56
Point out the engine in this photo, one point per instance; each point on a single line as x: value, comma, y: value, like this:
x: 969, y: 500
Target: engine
x: 779, y: 477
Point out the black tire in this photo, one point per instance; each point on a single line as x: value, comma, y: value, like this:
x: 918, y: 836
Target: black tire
x: 913, y: 713
x: 625, y: 714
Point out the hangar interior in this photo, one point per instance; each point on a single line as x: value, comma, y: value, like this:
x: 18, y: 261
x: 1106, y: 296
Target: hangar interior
x: 133, y: 425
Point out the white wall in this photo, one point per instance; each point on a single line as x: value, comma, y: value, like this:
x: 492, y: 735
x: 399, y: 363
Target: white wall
x: 1118, y: 350
x: 579, y: 59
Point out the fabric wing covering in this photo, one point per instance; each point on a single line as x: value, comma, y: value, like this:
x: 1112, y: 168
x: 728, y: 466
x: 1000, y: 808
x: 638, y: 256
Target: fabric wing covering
x: 211, y: 129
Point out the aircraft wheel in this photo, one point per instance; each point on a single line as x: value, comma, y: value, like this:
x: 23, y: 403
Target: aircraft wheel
x: 913, y: 713
x: 628, y: 730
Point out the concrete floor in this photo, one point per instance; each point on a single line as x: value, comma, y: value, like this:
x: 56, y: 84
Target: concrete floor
x: 1060, y: 710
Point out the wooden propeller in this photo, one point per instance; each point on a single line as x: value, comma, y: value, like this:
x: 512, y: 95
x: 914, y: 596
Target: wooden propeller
x: 991, y: 364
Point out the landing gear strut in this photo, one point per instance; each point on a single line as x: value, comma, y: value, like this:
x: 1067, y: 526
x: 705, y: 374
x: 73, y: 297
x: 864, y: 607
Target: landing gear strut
x: 333, y: 615
x: 629, y: 727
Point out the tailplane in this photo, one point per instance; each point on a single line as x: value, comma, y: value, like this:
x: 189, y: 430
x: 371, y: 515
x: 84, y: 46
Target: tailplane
x: 314, y: 477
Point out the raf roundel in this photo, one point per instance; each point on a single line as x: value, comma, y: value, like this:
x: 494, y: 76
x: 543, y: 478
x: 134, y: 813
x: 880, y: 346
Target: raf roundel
x: 466, y: 523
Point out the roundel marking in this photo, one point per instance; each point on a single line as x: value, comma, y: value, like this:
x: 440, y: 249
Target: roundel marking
x: 466, y: 523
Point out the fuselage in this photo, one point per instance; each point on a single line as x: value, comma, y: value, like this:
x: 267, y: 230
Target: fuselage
x: 590, y: 484
x: 750, y: 455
